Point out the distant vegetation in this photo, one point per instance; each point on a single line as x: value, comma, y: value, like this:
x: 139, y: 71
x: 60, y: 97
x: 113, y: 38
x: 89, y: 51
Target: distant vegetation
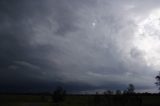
x: 158, y: 81
x: 59, y: 97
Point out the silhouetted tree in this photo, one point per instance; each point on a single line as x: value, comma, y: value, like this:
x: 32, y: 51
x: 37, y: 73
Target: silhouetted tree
x: 130, y: 89
x: 158, y: 81
x: 125, y: 92
x: 59, y: 94
x: 109, y: 92
x: 118, y: 92
x: 97, y: 99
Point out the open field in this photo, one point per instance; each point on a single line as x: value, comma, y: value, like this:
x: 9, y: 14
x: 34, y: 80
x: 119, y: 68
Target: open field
x: 81, y: 100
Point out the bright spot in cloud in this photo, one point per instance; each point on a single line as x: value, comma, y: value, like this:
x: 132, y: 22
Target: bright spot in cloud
x: 147, y: 39
x: 94, y: 23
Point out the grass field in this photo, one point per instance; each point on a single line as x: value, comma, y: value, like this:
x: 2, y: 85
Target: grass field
x: 81, y: 100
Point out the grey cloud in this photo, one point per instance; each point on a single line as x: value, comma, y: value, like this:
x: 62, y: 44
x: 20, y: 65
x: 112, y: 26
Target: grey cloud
x: 70, y: 42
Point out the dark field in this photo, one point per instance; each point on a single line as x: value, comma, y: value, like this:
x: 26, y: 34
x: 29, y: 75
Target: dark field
x: 80, y: 100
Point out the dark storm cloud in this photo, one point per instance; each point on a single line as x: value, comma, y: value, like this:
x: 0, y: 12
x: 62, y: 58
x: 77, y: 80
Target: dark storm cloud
x: 73, y: 43
x: 15, y: 34
x: 22, y: 61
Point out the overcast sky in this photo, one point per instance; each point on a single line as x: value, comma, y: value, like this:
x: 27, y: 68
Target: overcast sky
x: 82, y: 45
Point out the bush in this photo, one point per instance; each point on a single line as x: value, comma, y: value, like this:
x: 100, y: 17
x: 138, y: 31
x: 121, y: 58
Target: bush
x: 59, y: 94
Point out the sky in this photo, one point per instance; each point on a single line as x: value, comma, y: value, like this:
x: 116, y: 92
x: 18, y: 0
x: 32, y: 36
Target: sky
x: 82, y: 45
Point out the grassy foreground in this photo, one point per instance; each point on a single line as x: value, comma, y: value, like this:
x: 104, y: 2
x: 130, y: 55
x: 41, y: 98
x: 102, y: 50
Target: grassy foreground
x: 80, y: 100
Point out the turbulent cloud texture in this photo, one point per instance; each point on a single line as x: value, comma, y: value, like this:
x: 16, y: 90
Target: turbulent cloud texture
x: 80, y: 44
